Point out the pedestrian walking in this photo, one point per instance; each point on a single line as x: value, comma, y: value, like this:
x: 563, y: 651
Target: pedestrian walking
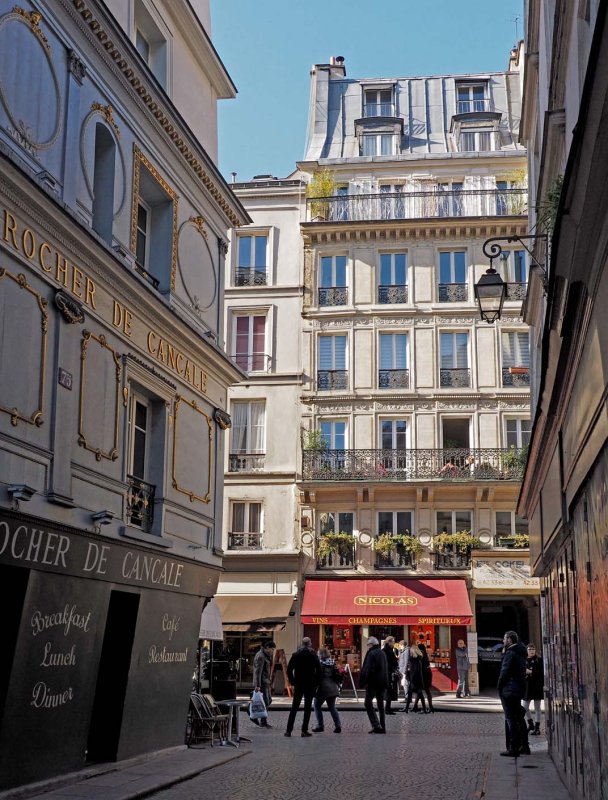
x: 328, y: 691
x: 427, y: 680
x: 262, y: 668
x: 511, y: 690
x: 535, y: 681
x: 304, y: 674
x: 404, y: 660
x: 374, y: 679
x: 392, y: 691
x: 415, y: 678
x: 462, y: 668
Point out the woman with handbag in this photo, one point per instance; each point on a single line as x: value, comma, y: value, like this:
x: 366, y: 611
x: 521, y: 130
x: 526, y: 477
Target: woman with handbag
x: 392, y: 691
x: 328, y: 691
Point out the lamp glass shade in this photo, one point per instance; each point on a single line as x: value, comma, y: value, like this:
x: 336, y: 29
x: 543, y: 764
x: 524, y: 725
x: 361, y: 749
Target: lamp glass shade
x: 490, y: 293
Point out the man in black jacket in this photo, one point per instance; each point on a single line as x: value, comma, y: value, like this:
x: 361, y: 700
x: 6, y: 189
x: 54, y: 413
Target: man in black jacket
x: 304, y: 674
x: 374, y: 679
x: 511, y: 689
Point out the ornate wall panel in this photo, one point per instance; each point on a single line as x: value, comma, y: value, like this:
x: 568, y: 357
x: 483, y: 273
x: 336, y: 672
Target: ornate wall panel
x: 23, y: 335
x: 99, y: 113
x: 192, y: 450
x: 196, y: 266
x: 100, y: 397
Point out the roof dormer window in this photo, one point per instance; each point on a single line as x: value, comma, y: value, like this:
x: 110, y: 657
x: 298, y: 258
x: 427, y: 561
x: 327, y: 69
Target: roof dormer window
x: 378, y: 103
x: 472, y: 98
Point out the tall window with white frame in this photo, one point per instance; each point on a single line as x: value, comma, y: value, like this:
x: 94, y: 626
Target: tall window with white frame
x: 378, y: 144
x: 393, y: 441
x: 393, y: 372
x: 392, y: 284
x: 451, y: 556
x: 515, y: 273
x: 247, y: 436
x: 249, y: 335
x: 477, y: 140
x: 154, y: 228
x: 508, y: 527
x: 332, y: 372
x: 252, y: 260
x: 332, y: 281
x: 471, y: 98
x: 140, y: 493
x: 453, y: 286
x: 336, y: 544
x: 394, y: 524
x: 515, y: 359
x: 142, y: 241
x: 518, y: 432
x: 454, y: 353
x: 450, y: 201
x: 245, y: 525
x: 333, y: 435
x: 378, y: 103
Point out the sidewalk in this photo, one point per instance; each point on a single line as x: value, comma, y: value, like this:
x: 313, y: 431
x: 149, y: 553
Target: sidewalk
x: 531, y: 777
x: 443, y: 702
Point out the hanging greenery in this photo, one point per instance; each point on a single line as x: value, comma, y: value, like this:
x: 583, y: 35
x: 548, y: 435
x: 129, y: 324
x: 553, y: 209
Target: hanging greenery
x: 314, y: 440
x: 322, y: 185
x: 386, y: 543
x: 462, y: 541
x: 547, y: 209
x: 335, y: 543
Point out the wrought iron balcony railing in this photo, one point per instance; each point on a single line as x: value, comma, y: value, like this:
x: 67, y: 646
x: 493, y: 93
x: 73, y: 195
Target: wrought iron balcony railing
x: 453, y: 292
x: 253, y: 362
x: 515, y: 376
x: 250, y: 276
x: 418, y: 205
x: 398, y: 558
x: 389, y: 294
x: 145, y: 274
x: 447, y: 464
x: 343, y: 558
x: 333, y: 296
x: 246, y: 462
x: 244, y: 541
x: 393, y: 378
x: 446, y: 560
x: 379, y: 110
x: 140, y: 503
x: 472, y: 106
x: 332, y: 379
x: 517, y: 291
x: 456, y: 377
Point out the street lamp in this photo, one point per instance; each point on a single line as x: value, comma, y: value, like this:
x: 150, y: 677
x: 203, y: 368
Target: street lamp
x: 491, y: 290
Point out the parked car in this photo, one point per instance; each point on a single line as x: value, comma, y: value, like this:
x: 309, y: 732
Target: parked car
x: 489, y: 649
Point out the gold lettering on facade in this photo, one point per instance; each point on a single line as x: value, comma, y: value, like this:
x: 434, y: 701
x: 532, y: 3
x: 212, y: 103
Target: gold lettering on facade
x: 28, y: 243
x: 176, y: 361
x: 10, y: 226
x: 77, y: 282
x: 61, y: 270
x: 44, y: 248
x: 122, y: 318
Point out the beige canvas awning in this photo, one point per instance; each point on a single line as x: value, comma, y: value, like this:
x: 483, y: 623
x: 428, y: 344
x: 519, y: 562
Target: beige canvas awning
x: 211, y: 622
x: 258, y: 613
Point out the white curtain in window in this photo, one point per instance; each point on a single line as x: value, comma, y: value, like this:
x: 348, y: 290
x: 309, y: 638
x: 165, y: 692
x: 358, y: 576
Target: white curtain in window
x: 256, y: 438
x: 515, y: 349
x: 239, y: 428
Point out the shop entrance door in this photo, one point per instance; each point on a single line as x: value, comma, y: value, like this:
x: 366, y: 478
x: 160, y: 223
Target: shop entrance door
x: 112, y: 677
x: 13, y: 585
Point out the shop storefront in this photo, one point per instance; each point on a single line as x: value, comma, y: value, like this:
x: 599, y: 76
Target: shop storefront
x: 98, y: 651
x: 342, y: 613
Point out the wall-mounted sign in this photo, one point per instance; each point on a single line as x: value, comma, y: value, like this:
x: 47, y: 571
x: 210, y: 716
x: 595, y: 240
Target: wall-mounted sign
x: 503, y: 572
x: 65, y: 379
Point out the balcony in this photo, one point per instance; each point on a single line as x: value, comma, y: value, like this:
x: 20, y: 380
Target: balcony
x: 517, y: 291
x: 473, y: 106
x: 253, y: 362
x: 453, y: 292
x: 335, y: 551
x: 238, y: 540
x: 140, y: 503
x: 393, y: 379
x: 444, y: 464
x: 418, y: 205
x: 333, y: 296
x: 246, y: 462
x: 398, y: 558
x: 446, y: 560
x: 456, y: 377
x: 389, y: 294
x: 518, y: 377
x: 328, y: 379
x: 378, y: 110
x: 248, y: 276
x: 145, y: 274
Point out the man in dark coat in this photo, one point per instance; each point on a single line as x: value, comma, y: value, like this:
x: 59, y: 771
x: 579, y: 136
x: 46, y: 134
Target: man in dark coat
x: 392, y: 693
x: 304, y: 674
x: 511, y: 690
x: 374, y: 679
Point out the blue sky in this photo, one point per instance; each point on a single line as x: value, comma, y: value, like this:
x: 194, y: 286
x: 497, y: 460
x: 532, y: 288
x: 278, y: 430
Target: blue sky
x: 269, y: 46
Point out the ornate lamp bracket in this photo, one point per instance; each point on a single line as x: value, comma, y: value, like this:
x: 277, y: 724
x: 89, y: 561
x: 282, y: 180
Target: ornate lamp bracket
x: 492, y: 249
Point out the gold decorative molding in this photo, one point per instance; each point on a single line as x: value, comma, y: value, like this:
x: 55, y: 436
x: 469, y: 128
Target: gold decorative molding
x: 87, y: 337
x: 193, y: 405
x: 199, y: 224
x: 33, y: 19
x: 108, y: 113
x: 139, y: 159
x: 36, y: 417
x: 147, y: 97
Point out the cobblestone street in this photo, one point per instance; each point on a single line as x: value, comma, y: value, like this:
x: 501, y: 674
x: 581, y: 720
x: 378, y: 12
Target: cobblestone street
x: 441, y: 755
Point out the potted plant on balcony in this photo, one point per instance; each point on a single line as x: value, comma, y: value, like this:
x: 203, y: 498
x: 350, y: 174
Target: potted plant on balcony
x: 461, y: 542
x: 335, y: 544
x: 522, y: 541
x: 515, y: 459
x: 314, y: 440
x: 321, y: 186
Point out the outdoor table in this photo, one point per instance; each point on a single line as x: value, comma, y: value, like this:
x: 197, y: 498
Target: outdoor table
x: 233, y: 736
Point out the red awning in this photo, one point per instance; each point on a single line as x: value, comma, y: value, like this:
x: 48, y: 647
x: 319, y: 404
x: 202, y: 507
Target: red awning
x: 390, y: 601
